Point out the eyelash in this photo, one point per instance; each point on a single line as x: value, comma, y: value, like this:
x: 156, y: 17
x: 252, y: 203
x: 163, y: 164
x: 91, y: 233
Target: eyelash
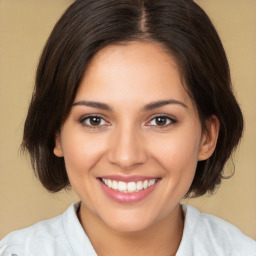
x: 90, y: 126
x: 171, y: 120
x: 89, y: 117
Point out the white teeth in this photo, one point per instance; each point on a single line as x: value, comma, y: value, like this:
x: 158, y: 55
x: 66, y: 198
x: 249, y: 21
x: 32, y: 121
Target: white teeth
x: 114, y: 184
x: 145, y: 184
x: 129, y: 187
x: 139, y: 185
x: 110, y: 183
x: 151, y: 182
x: 122, y: 186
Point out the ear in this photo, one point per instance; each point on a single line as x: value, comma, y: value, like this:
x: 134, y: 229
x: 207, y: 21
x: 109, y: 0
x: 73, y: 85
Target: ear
x: 209, y: 138
x: 58, y: 148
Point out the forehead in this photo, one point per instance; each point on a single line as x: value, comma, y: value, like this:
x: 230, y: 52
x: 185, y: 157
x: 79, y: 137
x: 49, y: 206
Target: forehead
x: 131, y: 72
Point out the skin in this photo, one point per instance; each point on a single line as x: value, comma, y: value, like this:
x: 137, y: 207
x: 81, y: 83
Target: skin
x: 129, y: 141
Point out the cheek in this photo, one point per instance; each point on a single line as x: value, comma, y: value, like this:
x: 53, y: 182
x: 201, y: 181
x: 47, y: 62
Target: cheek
x: 81, y: 153
x: 179, y: 152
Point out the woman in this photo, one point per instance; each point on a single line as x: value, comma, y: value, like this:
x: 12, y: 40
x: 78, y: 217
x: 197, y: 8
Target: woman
x: 133, y: 108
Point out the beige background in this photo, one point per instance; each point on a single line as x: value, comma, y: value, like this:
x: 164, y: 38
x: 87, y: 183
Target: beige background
x: 24, y: 28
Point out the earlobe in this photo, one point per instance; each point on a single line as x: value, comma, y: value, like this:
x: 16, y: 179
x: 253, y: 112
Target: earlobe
x: 58, y: 148
x: 209, y: 138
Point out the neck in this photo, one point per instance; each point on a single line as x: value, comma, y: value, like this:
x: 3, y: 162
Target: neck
x: 161, y: 238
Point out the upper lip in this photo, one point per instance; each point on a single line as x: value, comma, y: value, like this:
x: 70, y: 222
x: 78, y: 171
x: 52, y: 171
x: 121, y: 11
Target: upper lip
x: 127, y: 178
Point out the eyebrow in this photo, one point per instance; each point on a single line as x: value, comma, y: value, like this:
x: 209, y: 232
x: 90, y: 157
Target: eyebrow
x: 93, y: 104
x: 150, y: 106
x: 160, y: 103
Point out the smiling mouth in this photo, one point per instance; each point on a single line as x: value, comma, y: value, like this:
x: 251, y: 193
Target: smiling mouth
x: 129, y: 187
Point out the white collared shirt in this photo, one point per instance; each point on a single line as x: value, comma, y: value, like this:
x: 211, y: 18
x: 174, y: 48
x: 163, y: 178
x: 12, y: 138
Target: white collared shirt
x: 64, y: 236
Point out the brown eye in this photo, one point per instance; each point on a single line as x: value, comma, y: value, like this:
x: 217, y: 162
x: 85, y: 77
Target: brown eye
x: 93, y: 121
x: 161, y: 120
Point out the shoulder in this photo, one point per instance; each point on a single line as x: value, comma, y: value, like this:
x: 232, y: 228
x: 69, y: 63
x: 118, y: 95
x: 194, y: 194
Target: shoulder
x: 38, y: 239
x: 210, y: 233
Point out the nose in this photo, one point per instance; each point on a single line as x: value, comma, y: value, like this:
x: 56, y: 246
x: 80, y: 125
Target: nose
x: 127, y: 149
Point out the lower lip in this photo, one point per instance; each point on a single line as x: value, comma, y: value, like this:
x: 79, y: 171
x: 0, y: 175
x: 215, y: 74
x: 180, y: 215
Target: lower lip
x: 121, y: 197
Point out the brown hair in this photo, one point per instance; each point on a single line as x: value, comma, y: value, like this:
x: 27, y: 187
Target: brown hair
x: 87, y: 26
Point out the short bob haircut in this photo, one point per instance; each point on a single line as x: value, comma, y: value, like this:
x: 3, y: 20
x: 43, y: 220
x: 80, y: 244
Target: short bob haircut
x: 181, y: 27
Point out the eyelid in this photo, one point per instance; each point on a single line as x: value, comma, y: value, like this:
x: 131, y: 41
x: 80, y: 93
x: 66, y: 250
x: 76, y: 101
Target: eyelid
x: 83, y: 118
x: 171, y: 118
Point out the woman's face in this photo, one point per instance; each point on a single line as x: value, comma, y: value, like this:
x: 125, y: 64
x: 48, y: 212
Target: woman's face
x: 132, y: 139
